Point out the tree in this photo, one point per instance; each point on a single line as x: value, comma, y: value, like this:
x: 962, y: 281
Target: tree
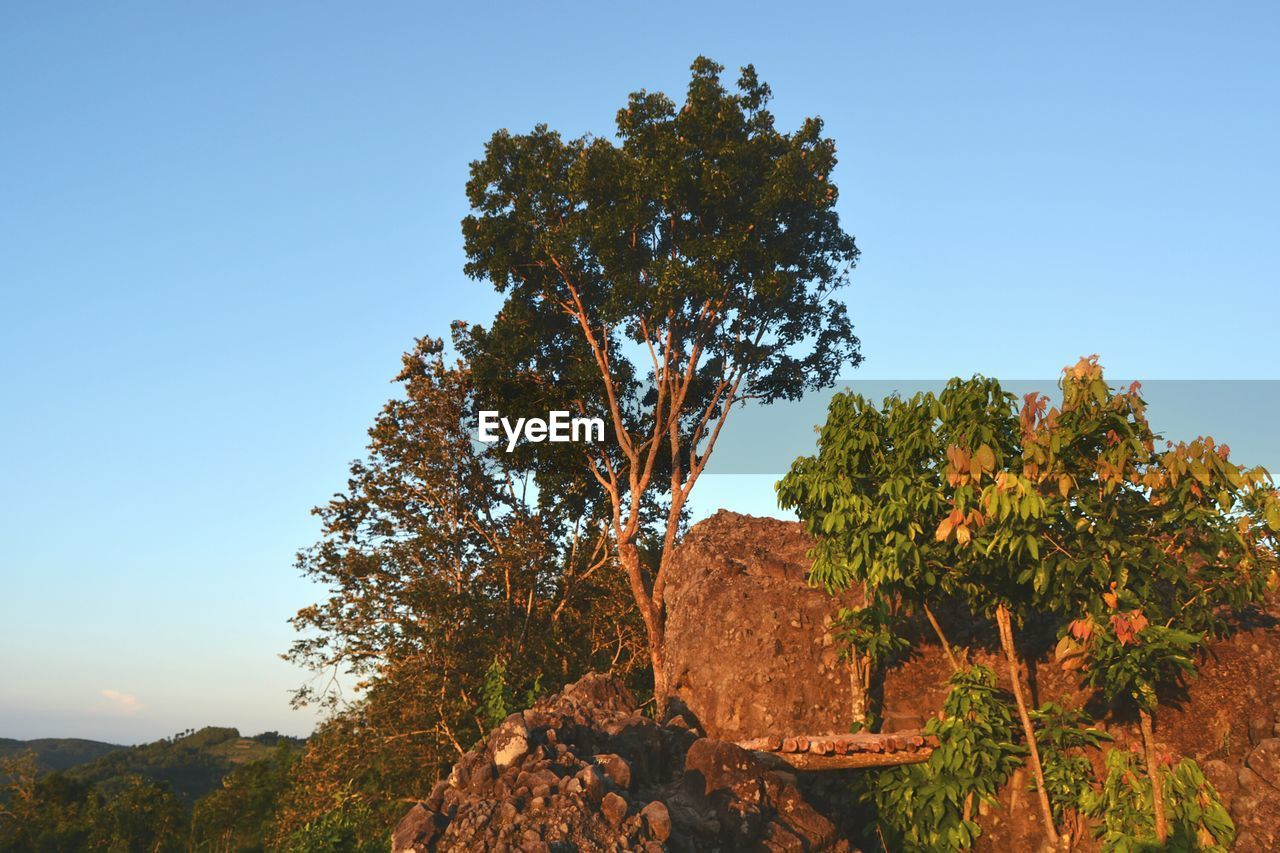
x: 658, y: 281
x: 438, y: 566
x: 1068, y: 511
x: 870, y: 495
x: 240, y: 815
x: 1143, y: 549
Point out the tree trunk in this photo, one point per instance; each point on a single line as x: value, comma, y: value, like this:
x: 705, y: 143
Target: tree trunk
x: 860, y: 686
x: 946, y: 646
x: 661, y: 690
x: 654, y: 617
x: 1153, y: 771
x: 1005, y: 627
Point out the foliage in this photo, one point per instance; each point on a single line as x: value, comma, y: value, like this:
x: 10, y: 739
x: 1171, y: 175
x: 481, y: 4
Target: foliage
x: 452, y: 593
x: 657, y: 280
x: 497, y: 700
x: 56, y: 812
x: 874, y: 492
x: 139, y: 817
x: 869, y: 643
x: 191, y: 763
x: 1063, y: 511
x: 240, y: 815
x: 1128, y: 657
x: 350, y: 826
x: 869, y: 631
x: 1062, y: 736
x: 1123, y: 807
x: 57, y: 753
x: 930, y: 806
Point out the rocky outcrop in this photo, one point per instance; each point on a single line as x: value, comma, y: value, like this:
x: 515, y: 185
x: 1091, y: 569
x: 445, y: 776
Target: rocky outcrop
x: 750, y: 655
x: 584, y: 770
x: 748, y: 651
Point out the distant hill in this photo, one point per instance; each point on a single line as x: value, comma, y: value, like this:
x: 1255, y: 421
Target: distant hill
x: 192, y: 763
x: 58, y: 753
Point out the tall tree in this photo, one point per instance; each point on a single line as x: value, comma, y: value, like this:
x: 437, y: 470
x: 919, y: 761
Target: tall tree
x: 658, y: 280
x: 448, y: 591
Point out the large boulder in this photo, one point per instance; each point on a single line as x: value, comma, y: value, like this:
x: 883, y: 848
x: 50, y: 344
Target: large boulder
x: 750, y: 654
x: 748, y: 647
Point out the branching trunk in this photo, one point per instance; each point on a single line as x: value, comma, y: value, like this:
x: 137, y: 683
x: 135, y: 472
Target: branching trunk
x: 1005, y: 627
x: 1153, y: 771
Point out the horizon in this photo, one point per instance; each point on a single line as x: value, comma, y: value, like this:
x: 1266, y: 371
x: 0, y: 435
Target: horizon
x: 221, y: 232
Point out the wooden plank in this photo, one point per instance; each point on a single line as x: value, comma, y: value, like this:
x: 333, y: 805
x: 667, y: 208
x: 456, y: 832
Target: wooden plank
x: 843, y: 751
x: 810, y: 761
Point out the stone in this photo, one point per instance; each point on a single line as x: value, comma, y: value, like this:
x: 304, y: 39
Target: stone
x: 592, y: 784
x: 616, y: 770
x: 657, y: 820
x: 732, y: 571
x: 1260, y: 728
x: 614, y: 808
x: 1223, y: 778
x: 415, y: 830
x: 510, y: 741
x: 1264, y: 760
x: 897, y: 722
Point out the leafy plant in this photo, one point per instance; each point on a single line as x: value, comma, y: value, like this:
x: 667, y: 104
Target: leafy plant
x: 348, y: 829
x: 1065, y: 511
x: 870, y: 642
x: 1062, y: 736
x: 930, y: 806
x: 1125, y: 809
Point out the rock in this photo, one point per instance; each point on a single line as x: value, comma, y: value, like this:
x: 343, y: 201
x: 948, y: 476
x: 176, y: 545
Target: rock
x: 615, y: 769
x: 902, y: 723
x: 510, y: 741
x: 1260, y: 728
x: 614, y: 808
x: 713, y: 765
x: 657, y: 820
x: 415, y: 831
x: 574, y: 764
x: 745, y: 657
x: 1264, y: 760
x: 746, y: 795
x: 1223, y: 778
x: 592, y: 784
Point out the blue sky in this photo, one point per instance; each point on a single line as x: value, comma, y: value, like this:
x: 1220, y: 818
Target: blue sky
x: 220, y: 224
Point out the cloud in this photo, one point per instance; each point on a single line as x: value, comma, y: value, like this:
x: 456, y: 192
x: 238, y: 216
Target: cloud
x: 125, y: 703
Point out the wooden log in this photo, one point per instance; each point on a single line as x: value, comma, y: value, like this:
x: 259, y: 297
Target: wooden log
x: 809, y: 761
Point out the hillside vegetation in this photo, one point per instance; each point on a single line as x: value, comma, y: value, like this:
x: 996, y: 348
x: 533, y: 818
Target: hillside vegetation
x: 198, y: 790
x: 57, y: 753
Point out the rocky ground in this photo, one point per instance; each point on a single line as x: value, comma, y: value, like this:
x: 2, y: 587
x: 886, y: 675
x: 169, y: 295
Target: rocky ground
x: 750, y: 656
x: 583, y: 770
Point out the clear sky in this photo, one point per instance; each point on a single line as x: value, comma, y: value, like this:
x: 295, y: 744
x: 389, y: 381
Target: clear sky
x: 220, y: 225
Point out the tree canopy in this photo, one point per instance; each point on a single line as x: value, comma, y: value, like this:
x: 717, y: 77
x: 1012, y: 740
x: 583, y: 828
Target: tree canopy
x: 450, y: 594
x: 656, y: 280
